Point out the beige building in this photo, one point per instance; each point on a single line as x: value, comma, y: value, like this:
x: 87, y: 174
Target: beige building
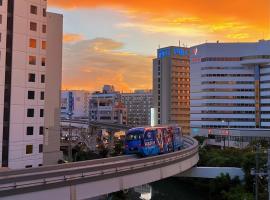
x: 138, y: 104
x: 30, y: 82
x: 171, y: 87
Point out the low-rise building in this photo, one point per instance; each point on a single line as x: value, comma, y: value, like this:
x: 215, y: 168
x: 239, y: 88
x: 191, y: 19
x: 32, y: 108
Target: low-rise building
x: 106, y: 106
x: 75, y: 103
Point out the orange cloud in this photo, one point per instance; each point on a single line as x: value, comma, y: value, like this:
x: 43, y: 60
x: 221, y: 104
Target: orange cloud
x: 89, y: 64
x: 70, y: 37
x: 220, y: 19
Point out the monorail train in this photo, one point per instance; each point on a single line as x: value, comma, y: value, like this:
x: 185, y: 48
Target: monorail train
x: 147, y: 141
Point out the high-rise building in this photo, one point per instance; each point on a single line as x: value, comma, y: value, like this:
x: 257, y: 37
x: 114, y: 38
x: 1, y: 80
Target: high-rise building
x: 106, y: 106
x: 230, y: 86
x: 138, y: 104
x: 171, y: 87
x: 30, y: 82
x: 76, y: 102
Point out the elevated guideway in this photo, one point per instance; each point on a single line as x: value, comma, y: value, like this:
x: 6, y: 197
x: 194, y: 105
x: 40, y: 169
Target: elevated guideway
x: 84, y: 180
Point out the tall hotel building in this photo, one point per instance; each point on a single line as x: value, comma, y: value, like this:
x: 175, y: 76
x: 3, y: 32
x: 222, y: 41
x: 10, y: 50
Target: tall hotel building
x: 230, y: 86
x: 171, y: 87
x: 30, y: 82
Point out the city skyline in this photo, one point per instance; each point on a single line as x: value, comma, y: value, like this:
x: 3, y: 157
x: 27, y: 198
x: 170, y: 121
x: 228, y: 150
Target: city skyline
x: 105, y: 41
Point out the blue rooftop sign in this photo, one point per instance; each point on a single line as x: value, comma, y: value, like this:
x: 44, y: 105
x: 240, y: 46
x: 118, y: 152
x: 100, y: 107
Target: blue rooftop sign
x: 165, y: 52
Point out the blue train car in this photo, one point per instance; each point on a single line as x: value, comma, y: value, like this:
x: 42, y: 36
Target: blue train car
x: 151, y: 141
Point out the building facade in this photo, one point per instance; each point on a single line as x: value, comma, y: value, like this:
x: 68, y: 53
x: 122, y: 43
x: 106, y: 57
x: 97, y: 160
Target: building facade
x: 138, y: 106
x: 75, y: 101
x: 171, y: 87
x: 230, y: 87
x: 27, y: 41
x: 106, y: 106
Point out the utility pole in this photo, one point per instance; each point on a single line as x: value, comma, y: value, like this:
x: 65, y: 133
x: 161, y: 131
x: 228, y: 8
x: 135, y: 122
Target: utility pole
x: 257, y: 173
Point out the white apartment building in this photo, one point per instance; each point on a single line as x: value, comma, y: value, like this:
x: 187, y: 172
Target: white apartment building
x: 30, y: 82
x: 76, y: 101
x: 106, y: 106
x: 230, y: 87
x: 138, y: 104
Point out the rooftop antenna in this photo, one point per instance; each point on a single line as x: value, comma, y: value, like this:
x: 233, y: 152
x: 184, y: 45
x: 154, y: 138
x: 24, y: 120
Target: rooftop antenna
x: 179, y: 43
x: 159, y: 46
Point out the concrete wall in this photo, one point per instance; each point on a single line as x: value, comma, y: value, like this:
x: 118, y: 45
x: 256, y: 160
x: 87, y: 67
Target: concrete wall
x: 53, y: 90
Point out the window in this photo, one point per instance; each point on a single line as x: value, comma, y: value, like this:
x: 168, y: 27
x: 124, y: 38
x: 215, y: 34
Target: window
x: 42, y: 78
x: 41, y: 112
x: 30, y: 112
x: 40, y: 148
x: 33, y: 9
x: 29, y: 149
x: 44, y: 28
x: 30, y: 130
x: 0, y: 19
x: 44, y: 12
x: 32, y: 43
x: 28, y: 166
x: 41, y: 130
x: 31, y: 94
x: 32, y: 60
x: 41, y: 95
x: 31, y: 77
x: 33, y: 26
x: 1, y: 2
x: 43, y: 62
x: 43, y: 44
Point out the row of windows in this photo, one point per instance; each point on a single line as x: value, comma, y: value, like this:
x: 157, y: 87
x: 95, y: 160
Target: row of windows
x: 34, y: 10
x: 225, y: 126
x: 228, y: 97
x: 30, y: 130
x: 31, y: 112
x: 227, y: 112
x: 220, y: 59
x: 31, y: 95
x: 255, y: 57
x: 227, y: 75
x: 33, y: 43
x: 34, y: 27
x: 29, y: 148
x: 227, y: 82
x: 265, y: 74
x: 229, y: 104
x: 32, y: 78
x: 222, y: 68
x: 33, y: 61
x: 227, y: 90
x: 234, y: 119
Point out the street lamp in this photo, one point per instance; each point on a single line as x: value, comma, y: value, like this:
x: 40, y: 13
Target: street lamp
x: 228, y: 131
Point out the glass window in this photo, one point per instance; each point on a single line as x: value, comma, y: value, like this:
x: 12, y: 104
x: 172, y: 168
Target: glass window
x: 43, y: 62
x: 44, y: 28
x: 31, y: 94
x: 32, y: 60
x: 42, y: 78
x: 30, y: 112
x: 44, y: 12
x: 43, y: 45
x: 41, y: 112
x: 31, y: 77
x: 40, y: 148
x: 32, y: 43
x: 33, y: 26
x: 33, y: 9
x: 41, y: 130
x: 42, y: 95
x: 29, y: 149
x: 30, y: 130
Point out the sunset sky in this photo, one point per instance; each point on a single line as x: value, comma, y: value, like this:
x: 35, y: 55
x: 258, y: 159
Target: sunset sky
x: 114, y: 41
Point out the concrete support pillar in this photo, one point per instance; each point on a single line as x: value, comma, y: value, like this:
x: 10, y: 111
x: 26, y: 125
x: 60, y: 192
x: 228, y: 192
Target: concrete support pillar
x: 73, y: 194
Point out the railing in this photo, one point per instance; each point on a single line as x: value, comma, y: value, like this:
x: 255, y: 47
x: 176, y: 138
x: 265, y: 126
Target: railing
x: 21, y: 181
